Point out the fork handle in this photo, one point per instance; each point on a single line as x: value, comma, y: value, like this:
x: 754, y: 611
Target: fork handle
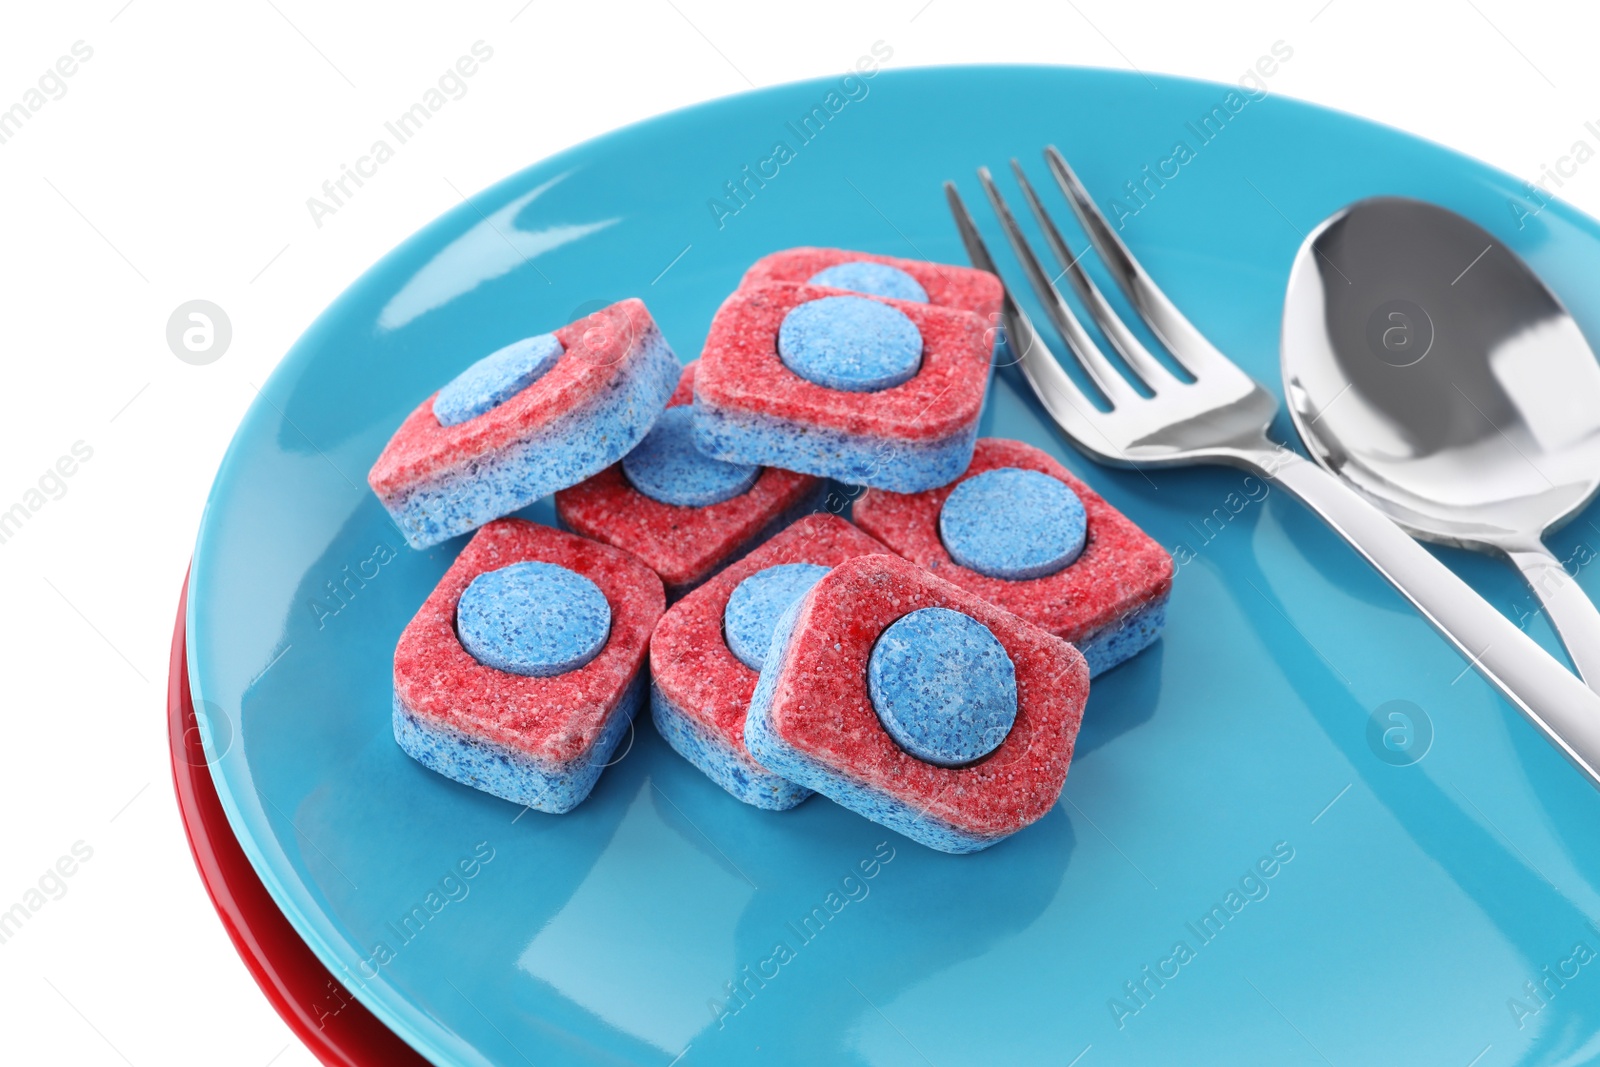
x: 1569, y: 609
x: 1550, y: 696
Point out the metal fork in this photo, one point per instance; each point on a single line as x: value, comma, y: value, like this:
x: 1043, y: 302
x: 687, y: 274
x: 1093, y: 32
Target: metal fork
x: 1221, y: 417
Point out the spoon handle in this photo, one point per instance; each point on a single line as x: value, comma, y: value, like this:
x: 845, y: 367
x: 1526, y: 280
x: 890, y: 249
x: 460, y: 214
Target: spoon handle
x: 1571, y: 612
x: 1550, y: 696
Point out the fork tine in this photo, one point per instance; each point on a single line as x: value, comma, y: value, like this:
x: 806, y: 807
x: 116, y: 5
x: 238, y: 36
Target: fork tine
x: 1187, y: 344
x: 1069, y: 405
x: 1107, y: 377
x: 1149, y: 369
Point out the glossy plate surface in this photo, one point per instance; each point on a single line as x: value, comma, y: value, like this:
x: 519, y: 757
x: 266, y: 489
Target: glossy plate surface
x: 1430, y: 855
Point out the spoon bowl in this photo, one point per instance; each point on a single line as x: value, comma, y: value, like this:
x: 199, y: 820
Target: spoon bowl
x: 1429, y: 368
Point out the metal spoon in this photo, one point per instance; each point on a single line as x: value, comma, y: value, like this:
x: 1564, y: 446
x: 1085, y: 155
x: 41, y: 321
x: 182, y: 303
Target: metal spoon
x: 1427, y: 366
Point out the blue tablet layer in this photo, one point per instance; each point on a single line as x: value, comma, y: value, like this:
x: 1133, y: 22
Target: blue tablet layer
x: 875, y: 279
x: 725, y: 765
x: 667, y: 467
x: 850, y: 343
x: 496, y: 378
x: 758, y: 602
x: 943, y: 686
x: 533, y: 618
x: 1012, y: 523
x: 508, y: 773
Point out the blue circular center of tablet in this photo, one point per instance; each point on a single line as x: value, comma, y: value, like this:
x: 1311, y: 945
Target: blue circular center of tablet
x: 667, y: 467
x: 758, y: 602
x: 943, y: 686
x: 496, y: 378
x: 533, y: 618
x: 850, y: 343
x: 1013, y: 524
x: 875, y: 279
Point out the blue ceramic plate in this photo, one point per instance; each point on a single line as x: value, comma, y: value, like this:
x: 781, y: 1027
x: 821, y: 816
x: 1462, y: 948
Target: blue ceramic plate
x: 1297, y: 830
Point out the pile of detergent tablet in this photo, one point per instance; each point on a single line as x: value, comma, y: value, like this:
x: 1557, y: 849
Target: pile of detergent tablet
x: 925, y: 665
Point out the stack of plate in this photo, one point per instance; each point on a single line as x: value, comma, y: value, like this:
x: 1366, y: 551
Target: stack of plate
x: 1411, y: 899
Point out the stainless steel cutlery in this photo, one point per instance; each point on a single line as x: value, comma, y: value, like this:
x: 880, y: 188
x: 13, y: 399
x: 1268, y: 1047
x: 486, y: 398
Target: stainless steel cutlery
x: 1221, y: 417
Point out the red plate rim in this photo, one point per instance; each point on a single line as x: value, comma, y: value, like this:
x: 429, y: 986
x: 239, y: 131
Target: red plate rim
x: 337, y: 1029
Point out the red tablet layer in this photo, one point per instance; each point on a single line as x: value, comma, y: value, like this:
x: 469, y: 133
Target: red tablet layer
x: 605, y: 342
x: 689, y: 659
x: 740, y: 370
x: 822, y: 708
x: 947, y: 286
x: 681, y: 544
x: 684, y: 392
x: 549, y: 719
x: 1120, y: 569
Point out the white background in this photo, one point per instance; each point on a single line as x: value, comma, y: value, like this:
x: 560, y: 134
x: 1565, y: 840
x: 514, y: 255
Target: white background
x: 177, y: 166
